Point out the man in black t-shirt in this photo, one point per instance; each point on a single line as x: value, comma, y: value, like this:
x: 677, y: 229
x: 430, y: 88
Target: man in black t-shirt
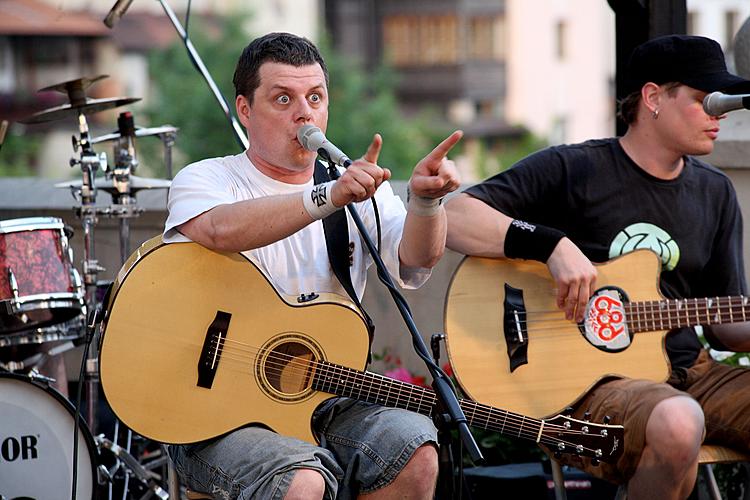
x: 569, y: 206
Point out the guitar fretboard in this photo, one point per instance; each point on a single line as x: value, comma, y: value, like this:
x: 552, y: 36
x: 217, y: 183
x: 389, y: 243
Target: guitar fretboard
x: 652, y: 315
x: 375, y: 388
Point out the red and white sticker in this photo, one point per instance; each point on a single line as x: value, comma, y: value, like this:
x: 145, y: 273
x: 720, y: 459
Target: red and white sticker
x: 605, y: 324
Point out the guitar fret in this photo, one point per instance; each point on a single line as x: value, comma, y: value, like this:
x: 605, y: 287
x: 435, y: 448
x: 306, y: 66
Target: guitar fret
x: 687, y: 312
x: 653, y: 314
x: 661, y: 317
x: 731, y: 318
x: 697, y: 312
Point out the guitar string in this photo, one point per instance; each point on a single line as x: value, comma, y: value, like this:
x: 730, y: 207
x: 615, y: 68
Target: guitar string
x: 684, y: 307
x: 303, y: 368
x: 649, y: 316
x: 522, y: 430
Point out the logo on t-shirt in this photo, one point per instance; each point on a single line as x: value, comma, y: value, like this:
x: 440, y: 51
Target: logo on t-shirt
x: 650, y: 236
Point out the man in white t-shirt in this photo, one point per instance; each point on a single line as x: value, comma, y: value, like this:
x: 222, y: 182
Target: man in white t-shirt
x: 265, y: 204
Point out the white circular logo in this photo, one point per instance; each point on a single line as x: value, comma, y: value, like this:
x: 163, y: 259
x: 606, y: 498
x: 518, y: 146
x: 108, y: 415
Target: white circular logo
x: 645, y: 235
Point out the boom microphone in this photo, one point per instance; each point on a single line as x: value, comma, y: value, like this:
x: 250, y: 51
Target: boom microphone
x: 717, y: 103
x: 313, y: 139
x: 116, y: 12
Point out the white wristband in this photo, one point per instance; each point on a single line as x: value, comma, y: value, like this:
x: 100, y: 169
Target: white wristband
x: 317, y: 200
x: 419, y: 205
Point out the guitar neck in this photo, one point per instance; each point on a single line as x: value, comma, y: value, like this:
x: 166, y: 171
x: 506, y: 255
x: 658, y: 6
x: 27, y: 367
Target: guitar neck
x: 652, y: 315
x: 374, y: 388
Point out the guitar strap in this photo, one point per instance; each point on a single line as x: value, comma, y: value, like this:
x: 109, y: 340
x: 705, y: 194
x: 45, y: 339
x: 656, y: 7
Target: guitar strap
x: 336, y: 232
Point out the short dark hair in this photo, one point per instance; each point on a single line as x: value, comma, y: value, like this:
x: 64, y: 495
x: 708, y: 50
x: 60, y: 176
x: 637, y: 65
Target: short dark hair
x: 627, y: 109
x: 283, y: 48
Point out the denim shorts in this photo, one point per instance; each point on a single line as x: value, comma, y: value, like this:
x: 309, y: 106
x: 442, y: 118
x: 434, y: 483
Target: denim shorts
x: 362, y: 448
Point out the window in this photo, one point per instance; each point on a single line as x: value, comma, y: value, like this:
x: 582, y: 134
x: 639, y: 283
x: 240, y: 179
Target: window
x: 421, y: 40
x: 692, y: 23
x: 560, y: 35
x: 731, y: 27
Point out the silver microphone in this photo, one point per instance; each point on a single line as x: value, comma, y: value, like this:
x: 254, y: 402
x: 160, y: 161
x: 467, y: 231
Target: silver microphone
x: 718, y: 103
x: 116, y: 12
x: 313, y: 139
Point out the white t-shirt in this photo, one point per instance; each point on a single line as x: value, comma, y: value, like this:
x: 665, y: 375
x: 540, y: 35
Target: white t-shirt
x: 299, y: 263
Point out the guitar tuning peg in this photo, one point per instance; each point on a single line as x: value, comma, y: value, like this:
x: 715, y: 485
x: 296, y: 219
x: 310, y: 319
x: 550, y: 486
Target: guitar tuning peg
x: 557, y: 454
x: 607, y: 419
x: 594, y: 461
x: 587, y: 416
x: 568, y: 411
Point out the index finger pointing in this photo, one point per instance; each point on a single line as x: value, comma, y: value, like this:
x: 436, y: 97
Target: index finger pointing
x: 373, y: 150
x: 442, y: 149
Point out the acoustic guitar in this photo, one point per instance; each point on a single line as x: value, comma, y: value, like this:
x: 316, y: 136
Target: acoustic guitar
x: 198, y: 343
x: 509, y: 344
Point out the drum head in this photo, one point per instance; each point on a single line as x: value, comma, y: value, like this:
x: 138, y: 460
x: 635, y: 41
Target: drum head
x: 36, y: 443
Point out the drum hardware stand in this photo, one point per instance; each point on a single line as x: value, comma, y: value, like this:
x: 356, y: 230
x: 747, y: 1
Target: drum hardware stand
x: 132, y: 467
x: 36, y: 360
x: 168, y: 139
x: 89, y: 162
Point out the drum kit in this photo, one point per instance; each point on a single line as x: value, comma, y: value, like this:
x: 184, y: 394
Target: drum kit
x: 45, y: 309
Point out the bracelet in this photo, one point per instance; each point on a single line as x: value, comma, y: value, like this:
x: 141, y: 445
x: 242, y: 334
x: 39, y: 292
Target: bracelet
x: 531, y: 241
x: 317, y: 200
x: 419, y: 205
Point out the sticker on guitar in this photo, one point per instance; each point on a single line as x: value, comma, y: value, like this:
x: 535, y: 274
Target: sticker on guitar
x: 605, y: 325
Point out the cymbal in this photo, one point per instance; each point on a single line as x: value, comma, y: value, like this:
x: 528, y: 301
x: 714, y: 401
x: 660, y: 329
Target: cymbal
x: 74, y: 88
x: 85, y: 106
x: 109, y: 185
x: 139, y: 132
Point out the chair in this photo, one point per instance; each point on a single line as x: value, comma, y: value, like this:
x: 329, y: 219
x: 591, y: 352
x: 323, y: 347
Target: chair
x: 707, y: 456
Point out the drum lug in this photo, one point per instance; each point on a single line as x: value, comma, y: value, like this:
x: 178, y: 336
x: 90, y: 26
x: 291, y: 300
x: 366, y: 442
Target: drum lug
x: 13, y: 283
x: 35, y: 375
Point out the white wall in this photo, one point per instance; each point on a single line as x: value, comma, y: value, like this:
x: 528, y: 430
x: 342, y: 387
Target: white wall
x: 709, y: 16
x: 543, y: 90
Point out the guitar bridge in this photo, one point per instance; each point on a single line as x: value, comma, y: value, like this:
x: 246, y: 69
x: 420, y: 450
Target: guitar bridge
x: 514, y: 327
x: 213, y: 346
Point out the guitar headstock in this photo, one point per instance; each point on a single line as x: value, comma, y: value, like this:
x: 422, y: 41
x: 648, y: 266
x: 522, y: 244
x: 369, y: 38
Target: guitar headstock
x: 562, y: 434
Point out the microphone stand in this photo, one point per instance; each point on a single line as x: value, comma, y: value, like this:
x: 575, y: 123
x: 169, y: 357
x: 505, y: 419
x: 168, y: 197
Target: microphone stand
x: 448, y: 414
x: 195, y: 58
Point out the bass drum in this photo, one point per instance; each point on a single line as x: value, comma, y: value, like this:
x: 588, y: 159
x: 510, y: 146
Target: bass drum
x: 36, y: 443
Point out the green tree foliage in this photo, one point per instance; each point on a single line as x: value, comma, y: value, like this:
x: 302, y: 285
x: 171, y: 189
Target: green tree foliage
x: 183, y: 98
x: 18, y: 154
x: 361, y: 103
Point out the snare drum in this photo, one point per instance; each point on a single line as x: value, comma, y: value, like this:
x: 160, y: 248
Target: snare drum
x: 38, y: 284
x: 36, y: 443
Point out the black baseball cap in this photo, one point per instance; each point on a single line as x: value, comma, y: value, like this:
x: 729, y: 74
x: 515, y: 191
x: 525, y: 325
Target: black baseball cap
x: 695, y: 61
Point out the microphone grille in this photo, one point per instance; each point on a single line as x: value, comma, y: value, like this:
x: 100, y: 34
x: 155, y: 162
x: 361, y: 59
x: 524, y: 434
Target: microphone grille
x: 710, y: 103
x: 304, y: 133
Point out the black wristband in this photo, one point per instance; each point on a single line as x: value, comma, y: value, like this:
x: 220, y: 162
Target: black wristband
x: 531, y: 241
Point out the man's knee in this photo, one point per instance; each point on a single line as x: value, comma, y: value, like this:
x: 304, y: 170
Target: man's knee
x: 422, y: 468
x: 676, y: 427
x: 306, y: 484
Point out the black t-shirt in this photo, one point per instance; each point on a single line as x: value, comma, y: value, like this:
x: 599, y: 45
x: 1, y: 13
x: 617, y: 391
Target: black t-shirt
x: 609, y: 206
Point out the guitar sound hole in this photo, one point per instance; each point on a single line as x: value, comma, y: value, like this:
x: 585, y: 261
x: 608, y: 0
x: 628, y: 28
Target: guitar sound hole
x: 288, y: 367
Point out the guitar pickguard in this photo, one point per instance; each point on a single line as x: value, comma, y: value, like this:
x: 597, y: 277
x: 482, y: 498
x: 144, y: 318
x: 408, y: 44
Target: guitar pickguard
x: 605, y: 323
